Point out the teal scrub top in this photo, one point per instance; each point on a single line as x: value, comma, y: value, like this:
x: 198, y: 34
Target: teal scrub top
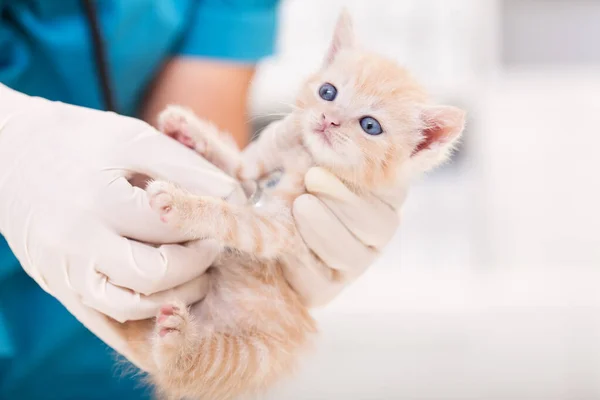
x: 46, y: 50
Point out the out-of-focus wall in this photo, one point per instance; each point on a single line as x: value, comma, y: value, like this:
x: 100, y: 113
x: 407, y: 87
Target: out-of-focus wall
x: 542, y: 32
x: 540, y: 170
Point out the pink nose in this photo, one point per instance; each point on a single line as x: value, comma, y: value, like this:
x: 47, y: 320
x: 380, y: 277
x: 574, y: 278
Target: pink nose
x: 327, y: 121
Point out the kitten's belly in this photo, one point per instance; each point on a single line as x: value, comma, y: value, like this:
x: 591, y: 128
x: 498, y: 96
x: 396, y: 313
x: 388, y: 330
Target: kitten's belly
x: 238, y: 294
x: 216, y: 308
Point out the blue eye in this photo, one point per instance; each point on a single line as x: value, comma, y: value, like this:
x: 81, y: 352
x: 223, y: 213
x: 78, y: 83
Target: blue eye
x: 327, y: 92
x: 371, y: 126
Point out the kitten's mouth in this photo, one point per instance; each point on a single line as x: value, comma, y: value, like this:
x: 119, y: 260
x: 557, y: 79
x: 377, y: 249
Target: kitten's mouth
x: 321, y: 131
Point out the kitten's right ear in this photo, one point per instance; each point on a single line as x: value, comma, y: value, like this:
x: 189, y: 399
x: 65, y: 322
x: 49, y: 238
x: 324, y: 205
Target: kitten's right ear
x: 442, y: 127
x: 343, y: 36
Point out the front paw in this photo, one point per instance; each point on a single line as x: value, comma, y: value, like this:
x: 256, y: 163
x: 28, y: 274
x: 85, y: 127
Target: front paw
x: 166, y: 200
x: 175, y: 122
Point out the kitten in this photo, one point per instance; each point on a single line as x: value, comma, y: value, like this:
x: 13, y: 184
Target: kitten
x: 363, y: 118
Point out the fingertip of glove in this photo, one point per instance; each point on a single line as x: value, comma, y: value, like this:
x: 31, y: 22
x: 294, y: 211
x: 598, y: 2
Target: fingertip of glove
x: 323, y: 183
x: 304, y: 205
x: 318, y: 179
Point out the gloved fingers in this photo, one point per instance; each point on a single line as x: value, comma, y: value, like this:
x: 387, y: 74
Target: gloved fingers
x: 147, y: 269
x: 328, y: 238
x: 369, y: 219
x: 314, y: 282
x: 122, y: 304
x: 160, y: 157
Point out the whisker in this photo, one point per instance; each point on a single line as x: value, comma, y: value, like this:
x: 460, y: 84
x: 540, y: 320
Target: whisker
x: 290, y: 105
x: 266, y: 115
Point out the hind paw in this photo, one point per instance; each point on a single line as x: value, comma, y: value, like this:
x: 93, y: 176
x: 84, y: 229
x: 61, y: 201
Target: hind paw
x: 172, y: 323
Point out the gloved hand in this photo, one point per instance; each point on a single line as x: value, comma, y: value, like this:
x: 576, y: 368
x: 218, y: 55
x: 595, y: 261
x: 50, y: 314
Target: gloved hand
x: 66, y: 207
x: 67, y: 210
x: 347, y: 232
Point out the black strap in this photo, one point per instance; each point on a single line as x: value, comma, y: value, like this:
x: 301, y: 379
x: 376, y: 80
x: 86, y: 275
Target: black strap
x: 99, y: 54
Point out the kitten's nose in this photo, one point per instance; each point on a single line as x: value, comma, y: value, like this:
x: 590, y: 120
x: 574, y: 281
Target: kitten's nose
x: 327, y: 120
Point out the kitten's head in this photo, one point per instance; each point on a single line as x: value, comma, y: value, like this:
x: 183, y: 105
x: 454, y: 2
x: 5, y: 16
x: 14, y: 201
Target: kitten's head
x: 368, y: 121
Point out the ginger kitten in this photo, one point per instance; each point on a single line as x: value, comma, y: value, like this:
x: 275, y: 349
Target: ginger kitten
x: 363, y: 118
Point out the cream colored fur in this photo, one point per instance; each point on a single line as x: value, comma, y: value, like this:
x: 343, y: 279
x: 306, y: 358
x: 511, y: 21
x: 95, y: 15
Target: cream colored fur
x: 252, y: 326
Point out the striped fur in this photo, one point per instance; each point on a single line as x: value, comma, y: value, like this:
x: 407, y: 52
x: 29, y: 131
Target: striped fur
x: 232, y: 343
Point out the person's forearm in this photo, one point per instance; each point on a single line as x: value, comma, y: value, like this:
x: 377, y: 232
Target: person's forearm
x: 215, y: 91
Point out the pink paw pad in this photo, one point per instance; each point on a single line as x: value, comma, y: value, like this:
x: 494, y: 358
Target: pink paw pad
x: 166, y: 311
x: 162, y: 203
x: 176, y: 127
x: 185, y: 140
x: 168, y: 320
x: 165, y: 331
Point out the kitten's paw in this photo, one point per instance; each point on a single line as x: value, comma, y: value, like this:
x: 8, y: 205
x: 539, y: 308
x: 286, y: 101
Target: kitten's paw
x: 174, y: 121
x: 172, y: 321
x: 163, y: 198
x: 174, y: 337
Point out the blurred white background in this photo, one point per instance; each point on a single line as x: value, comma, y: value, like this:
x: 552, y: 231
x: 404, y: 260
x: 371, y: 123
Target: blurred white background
x: 489, y: 289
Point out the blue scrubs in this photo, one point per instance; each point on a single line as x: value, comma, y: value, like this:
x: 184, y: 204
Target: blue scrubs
x: 46, y: 50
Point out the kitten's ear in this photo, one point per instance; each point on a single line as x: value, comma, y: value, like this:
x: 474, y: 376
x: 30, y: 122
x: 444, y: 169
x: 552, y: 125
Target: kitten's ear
x: 442, y: 127
x: 343, y: 36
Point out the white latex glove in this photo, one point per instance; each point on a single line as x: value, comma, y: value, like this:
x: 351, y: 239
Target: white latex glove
x: 347, y: 232
x: 67, y: 209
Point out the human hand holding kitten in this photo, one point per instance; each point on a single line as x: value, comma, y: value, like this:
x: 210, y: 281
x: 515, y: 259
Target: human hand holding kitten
x: 370, y: 129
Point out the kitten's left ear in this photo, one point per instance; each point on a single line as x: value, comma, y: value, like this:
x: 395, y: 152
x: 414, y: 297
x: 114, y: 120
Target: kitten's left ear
x: 343, y: 36
x: 442, y: 127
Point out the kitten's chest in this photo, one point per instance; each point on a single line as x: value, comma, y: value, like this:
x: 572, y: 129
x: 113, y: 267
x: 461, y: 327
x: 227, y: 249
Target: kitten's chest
x: 286, y: 183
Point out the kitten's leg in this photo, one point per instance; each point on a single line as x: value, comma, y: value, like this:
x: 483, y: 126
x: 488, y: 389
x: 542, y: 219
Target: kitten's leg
x: 262, y: 154
x: 197, y: 361
x: 202, y: 136
x: 267, y: 153
x: 261, y: 157
x: 263, y: 232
